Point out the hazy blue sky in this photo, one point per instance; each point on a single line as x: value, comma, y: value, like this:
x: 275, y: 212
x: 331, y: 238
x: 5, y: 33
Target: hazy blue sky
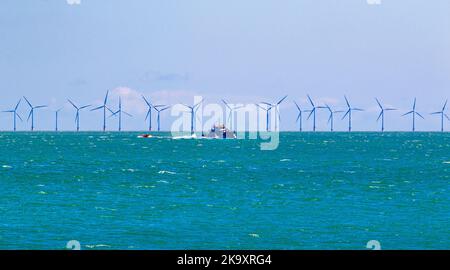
x: 248, y: 51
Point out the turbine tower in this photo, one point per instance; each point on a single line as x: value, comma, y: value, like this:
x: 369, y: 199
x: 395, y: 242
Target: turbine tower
x: 443, y: 114
x: 230, y: 117
x: 56, y: 118
x: 119, y: 113
x: 15, y: 114
x: 381, y: 115
x: 312, y: 112
x: 349, y: 113
x: 277, y: 112
x: 77, y: 115
x: 193, y: 110
x: 299, y: 116
x: 414, y: 113
x: 149, y: 113
x: 157, y: 109
x: 331, y: 118
x: 104, y: 107
x: 32, y: 108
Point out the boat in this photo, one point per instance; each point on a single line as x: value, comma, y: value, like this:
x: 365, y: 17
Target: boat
x: 220, y: 132
x: 145, y: 136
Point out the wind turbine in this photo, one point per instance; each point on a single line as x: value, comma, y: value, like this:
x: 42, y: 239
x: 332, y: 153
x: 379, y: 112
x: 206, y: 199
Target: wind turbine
x: 299, y: 116
x: 381, y: 115
x: 349, y: 113
x: 267, y: 109
x: 119, y: 113
x: 414, y: 113
x: 104, y: 107
x: 442, y: 113
x: 15, y: 114
x: 149, y: 113
x: 193, y: 110
x: 331, y: 118
x: 56, y: 118
x: 77, y: 116
x: 312, y: 112
x: 157, y: 108
x: 32, y: 112
x: 276, y: 111
x: 231, y: 114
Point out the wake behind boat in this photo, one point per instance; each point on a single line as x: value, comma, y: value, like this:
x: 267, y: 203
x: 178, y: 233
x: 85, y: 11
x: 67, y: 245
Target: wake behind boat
x: 216, y: 132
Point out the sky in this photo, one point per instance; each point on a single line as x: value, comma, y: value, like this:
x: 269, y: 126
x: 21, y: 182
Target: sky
x: 243, y: 51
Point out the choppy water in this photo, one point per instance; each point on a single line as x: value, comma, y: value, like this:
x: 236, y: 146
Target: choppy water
x: 316, y: 191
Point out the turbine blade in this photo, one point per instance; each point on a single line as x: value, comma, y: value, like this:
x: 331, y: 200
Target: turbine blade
x: 260, y: 106
x: 379, y: 116
x: 17, y: 106
x: 127, y: 114
x: 445, y: 105
x: 298, y: 117
x: 19, y: 117
x: 29, y: 115
x: 436, y: 113
x: 345, y: 115
x: 346, y: 100
x: 41, y: 106
x: 226, y: 104
x: 281, y: 100
x: 29, y: 103
x: 84, y: 107
x: 310, y: 100
x: 72, y: 104
x: 329, y: 118
x: 357, y: 109
x: 312, y: 111
x: 106, y: 98
x: 407, y: 113
x: 146, y: 101
x: 298, y: 107
x: 379, y: 104
x: 420, y: 115
x: 98, y: 108
x: 390, y: 109
x: 198, y: 103
x: 414, y: 105
x: 268, y: 104
x: 446, y: 116
x: 148, y: 113
x: 109, y: 109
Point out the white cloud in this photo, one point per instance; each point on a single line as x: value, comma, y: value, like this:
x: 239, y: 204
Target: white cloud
x: 133, y: 103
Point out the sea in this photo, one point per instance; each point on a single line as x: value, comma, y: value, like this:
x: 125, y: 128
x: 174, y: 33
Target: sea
x: 318, y: 191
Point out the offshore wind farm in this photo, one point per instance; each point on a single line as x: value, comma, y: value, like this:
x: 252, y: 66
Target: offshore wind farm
x: 230, y: 112
x: 229, y: 125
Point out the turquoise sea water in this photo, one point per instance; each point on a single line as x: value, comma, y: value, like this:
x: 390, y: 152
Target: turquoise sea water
x: 316, y: 191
